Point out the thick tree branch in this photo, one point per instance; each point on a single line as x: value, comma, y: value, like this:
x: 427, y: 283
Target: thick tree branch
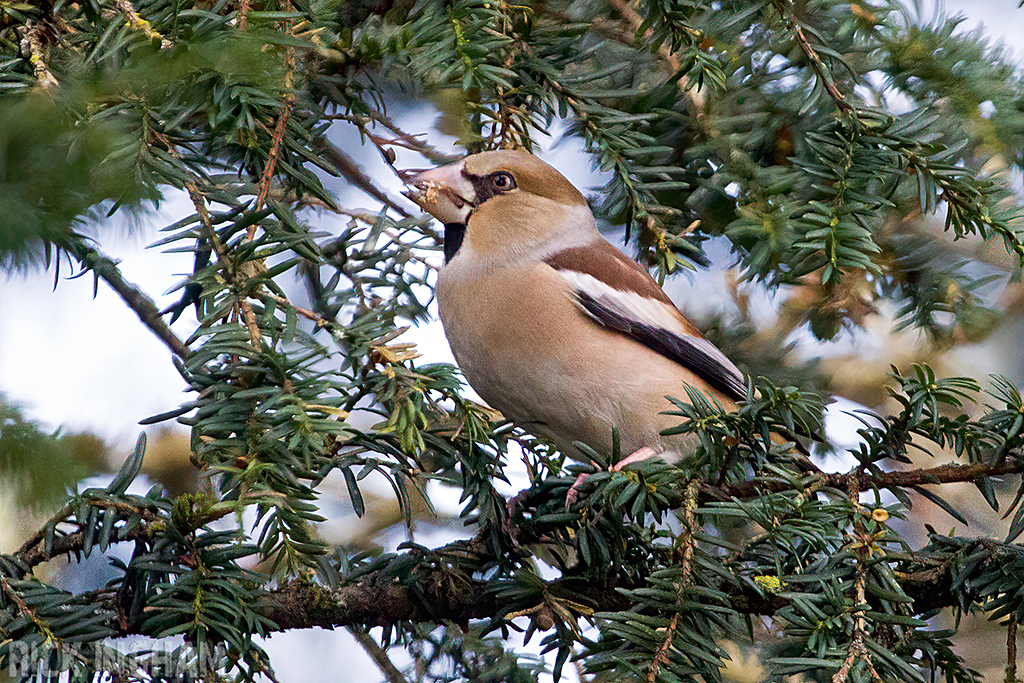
x: 380, y: 600
x: 410, y: 590
x: 299, y: 604
x: 864, y: 481
x: 442, y: 586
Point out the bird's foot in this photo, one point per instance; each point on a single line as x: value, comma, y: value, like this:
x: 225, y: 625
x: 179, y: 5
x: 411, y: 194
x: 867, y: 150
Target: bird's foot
x: 574, y: 491
x: 512, y: 530
x: 644, y: 453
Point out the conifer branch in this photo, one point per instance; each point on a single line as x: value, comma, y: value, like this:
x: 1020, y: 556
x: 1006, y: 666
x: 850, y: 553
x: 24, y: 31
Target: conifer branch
x: 135, y: 298
x: 723, y: 141
x: 137, y: 23
x: 695, y: 94
x: 37, y: 56
x: 786, y: 11
x: 862, y: 480
x: 689, y: 542
x: 378, y: 654
x: 392, y: 594
x: 23, y: 608
x: 267, y: 178
x: 861, y: 547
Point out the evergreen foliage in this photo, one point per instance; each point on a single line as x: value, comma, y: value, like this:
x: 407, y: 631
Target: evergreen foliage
x: 764, y: 123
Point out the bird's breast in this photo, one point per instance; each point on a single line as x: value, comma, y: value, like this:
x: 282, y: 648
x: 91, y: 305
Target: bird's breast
x: 528, y: 350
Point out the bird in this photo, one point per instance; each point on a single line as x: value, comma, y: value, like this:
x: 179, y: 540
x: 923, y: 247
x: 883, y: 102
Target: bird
x: 550, y: 323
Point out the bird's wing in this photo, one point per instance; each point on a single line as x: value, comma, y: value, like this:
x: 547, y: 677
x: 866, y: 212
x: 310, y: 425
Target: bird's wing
x: 617, y: 293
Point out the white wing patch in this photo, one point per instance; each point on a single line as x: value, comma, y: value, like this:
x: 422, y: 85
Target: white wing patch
x: 658, y: 326
x: 629, y: 305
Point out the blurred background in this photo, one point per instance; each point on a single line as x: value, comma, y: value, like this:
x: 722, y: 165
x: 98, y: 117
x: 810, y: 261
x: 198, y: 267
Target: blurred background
x: 76, y: 366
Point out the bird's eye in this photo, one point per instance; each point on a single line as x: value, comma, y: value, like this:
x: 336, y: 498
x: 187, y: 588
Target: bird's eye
x: 503, y: 181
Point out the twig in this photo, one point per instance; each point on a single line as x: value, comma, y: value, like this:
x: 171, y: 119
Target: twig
x: 816, y: 62
x: 607, y: 28
x: 685, y: 86
x: 139, y: 24
x: 267, y: 177
x: 1011, y: 652
x: 36, y: 51
x: 412, y: 142
x: 347, y: 167
x: 378, y: 655
x: 250, y: 269
x: 275, y: 150
x: 864, y: 481
x: 32, y: 552
x: 38, y: 536
x: 862, y: 546
x: 854, y: 652
x: 72, y: 543
x: 304, y: 312
x: 251, y: 324
x: 688, y: 537
x: 143, y: 306
x: 198, y: 200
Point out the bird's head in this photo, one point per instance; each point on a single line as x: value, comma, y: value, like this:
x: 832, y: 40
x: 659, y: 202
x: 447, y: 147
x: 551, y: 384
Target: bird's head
x: 502, y: 204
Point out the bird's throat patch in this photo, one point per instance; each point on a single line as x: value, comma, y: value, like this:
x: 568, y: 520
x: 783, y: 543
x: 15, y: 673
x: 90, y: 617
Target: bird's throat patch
x: 453, y: 236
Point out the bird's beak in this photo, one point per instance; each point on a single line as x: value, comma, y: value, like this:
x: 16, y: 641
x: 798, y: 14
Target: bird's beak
x: 444, y: 192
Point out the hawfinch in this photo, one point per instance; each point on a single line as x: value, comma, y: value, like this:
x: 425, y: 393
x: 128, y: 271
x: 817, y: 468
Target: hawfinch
x: 551, y: 324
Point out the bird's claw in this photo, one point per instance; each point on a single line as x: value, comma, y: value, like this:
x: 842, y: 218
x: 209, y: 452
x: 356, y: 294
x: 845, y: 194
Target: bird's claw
x: 574, y: 491
x: 644, y: 453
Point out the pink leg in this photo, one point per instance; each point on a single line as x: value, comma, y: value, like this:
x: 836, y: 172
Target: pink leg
x: 644, y: 453
x: 574, y: 490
